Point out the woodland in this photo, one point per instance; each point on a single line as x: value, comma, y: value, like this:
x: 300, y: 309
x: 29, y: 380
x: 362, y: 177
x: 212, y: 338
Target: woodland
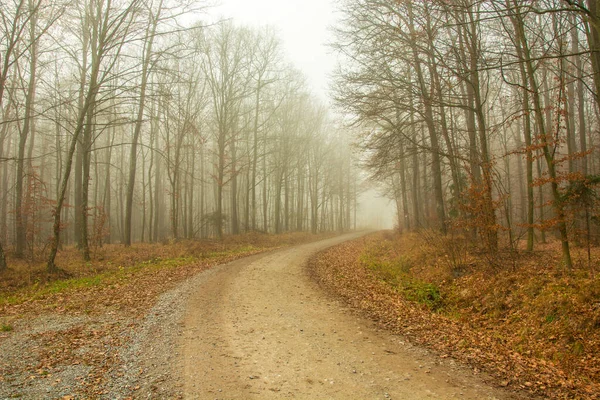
x: 480, y: 120
x: 142, y: 142
x: 138, y: 121
x: 479, y: 117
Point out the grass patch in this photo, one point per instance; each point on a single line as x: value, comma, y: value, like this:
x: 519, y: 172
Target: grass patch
x: 396, y: 271
x: 116, y: 264
x: 5, y: 328
x: 41, y: 290
x: 424, y: 293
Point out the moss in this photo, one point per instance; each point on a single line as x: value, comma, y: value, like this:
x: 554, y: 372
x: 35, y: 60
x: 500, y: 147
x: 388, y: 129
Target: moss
x: 396, y: 271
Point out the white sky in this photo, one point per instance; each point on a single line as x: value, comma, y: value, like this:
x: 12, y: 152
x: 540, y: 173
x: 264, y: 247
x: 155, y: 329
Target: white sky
x: 304, y: 30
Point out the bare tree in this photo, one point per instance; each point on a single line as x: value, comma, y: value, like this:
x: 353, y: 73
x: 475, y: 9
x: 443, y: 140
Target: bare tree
x: 227, y: 69
x: 111, y: 29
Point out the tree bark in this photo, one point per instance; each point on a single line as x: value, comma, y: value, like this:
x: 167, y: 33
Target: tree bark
x: 430, y: 123
x: 21, y: 217
x: 3, y: 265
x: 146, y: 69
x: 235, y: 225
x: 517, y: 20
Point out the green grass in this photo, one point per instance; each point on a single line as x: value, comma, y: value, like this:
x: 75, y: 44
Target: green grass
x: 74, y: 283
x: 5, y: 328
x: 424, y: 293
x: 120, y: 274
x: 397, y: 273
x: 117, y: 265
x: 117, y: 274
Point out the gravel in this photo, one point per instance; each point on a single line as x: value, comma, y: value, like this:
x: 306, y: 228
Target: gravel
x: 150, y: 367
x: 146, y: 353
x: 21, y: 374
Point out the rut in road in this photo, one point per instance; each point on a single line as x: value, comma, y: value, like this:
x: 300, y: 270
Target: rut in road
x: 260, y: 328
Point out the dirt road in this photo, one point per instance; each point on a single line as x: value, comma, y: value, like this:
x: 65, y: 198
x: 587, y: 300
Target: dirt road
x: 259, y: 328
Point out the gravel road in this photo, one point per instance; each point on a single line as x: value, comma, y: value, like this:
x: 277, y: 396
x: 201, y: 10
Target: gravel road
x: 262, y: 329
x: 256, y: 328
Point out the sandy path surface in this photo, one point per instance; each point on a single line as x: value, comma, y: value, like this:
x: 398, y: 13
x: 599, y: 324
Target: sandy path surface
x: 260, y: 328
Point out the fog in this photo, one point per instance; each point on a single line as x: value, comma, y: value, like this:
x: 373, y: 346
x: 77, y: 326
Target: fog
x: 304, y: 29
x: 163, y: 123
x: 375, y: 211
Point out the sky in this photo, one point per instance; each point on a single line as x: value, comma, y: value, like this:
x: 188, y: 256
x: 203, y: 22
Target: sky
x: 303, y: 27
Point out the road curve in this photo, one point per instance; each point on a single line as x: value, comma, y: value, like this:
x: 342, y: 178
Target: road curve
x: 260, y: 328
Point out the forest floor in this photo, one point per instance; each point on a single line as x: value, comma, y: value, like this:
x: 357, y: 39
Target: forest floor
x: 76, y: 335
x: 256, y: 327
x: 522, y: 319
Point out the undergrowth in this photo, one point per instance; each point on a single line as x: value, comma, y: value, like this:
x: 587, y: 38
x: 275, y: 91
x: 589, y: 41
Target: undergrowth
x: 115, y: 264
x: 397, y: 273
x: 531, y: 323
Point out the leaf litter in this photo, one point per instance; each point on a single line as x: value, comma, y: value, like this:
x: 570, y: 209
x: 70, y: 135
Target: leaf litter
x: 85, y: 341
x: 489, y: 319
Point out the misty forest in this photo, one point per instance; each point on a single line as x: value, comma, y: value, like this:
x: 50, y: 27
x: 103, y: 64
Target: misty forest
x: 144, y: 141
x: 122, y: 124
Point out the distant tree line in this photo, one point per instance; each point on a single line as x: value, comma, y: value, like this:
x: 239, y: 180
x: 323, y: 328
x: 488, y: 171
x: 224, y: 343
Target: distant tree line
x: 120, y: 123
x: 478, y: 116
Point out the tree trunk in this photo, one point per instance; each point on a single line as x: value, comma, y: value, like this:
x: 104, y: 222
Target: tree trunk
x: 78, y: 181
x: 580, y: 98
x: 491, y: 229
x: 202, y: 191
x: 436, y: 84
x: 593, y: 34
x: 544, y: 135
x: 286, y: 201
x: 264, y: 189
x: 87, y: 149
x: 21, y: 217
x: 190, y: 212
x: 255, y: 152
x: 4, y: 191
x: 300, y: 204
x: 246, y: 192
x: 220, y: 182
x: 429, y: 121
x: 106, y: 202
x: 403, y: 189
x: 235, y: 225
x: 157, y: 196
x: 278, y: 184
x: 3, y: 265
x: 147, y: 55
x: 529, y: 160
x: 56, y: 228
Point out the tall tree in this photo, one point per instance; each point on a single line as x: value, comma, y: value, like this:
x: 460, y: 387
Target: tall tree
x: 112, y: 27
x: 154, y: 17
x: 226, y: 66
